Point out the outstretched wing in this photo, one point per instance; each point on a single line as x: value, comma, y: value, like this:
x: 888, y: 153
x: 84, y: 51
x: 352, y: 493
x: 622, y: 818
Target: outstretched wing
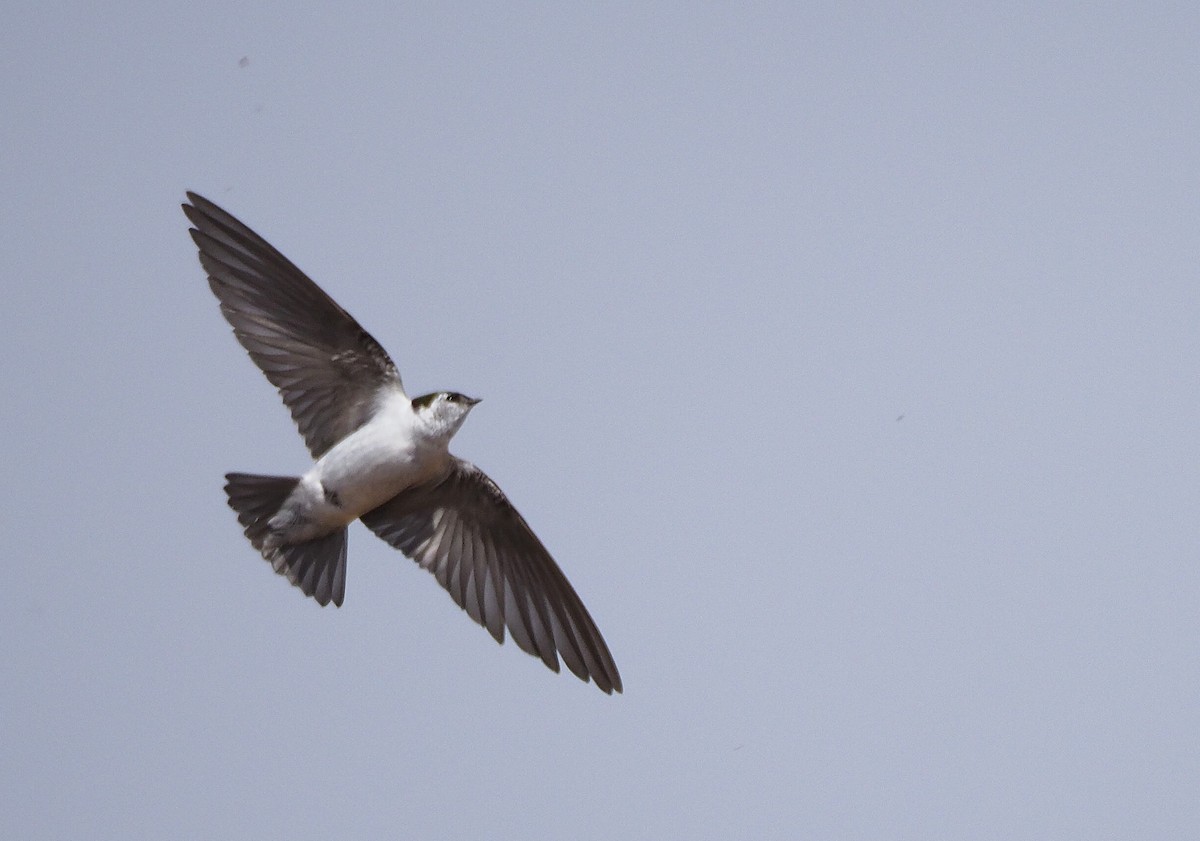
x: 464, y: 530
x: 328, y: 369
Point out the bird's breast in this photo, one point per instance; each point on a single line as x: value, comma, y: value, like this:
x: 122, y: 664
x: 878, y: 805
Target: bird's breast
x: 371, y: 466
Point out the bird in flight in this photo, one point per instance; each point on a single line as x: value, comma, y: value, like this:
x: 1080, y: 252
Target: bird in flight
x: 380, y: 457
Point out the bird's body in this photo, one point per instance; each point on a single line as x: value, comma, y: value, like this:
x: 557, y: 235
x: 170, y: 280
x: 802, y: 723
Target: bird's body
x: 380, y: 457
x: 393, y: 451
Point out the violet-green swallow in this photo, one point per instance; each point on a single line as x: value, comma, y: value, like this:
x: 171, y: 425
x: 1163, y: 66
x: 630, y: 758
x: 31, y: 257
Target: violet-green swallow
x: 381, y: 457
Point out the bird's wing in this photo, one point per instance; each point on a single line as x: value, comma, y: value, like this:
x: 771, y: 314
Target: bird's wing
x: 327, y: 368
x: 464, y: 530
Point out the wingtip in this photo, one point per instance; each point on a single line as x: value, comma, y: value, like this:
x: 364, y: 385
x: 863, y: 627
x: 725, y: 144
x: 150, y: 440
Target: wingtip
x: 610, y: 684
x: 197, y: 207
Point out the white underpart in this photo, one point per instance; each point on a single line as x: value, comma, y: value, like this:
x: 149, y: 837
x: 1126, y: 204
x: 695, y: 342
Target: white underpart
x: 394, y: 450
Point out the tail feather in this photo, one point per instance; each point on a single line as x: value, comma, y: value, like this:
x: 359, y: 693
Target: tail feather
x: 256, y: 499
x: 317, y: 567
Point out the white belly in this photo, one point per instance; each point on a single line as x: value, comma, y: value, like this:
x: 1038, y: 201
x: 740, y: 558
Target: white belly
x: 361, y: 472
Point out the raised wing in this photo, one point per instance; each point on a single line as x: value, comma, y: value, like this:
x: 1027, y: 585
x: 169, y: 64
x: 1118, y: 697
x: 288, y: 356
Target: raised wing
x: 464, y: 530
x: 327, y: 368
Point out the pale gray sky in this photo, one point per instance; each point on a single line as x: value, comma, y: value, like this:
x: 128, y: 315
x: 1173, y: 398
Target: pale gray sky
x: 845, y: 357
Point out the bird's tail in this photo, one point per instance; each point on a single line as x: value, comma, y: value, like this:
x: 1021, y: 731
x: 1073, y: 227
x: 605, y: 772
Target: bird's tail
x: 318, y: 567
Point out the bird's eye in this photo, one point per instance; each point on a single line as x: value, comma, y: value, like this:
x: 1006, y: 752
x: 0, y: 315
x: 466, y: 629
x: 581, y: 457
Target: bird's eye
x: 453, y: 398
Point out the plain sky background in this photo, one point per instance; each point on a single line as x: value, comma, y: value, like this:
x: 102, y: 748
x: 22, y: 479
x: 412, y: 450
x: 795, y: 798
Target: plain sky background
x: 845, y: 356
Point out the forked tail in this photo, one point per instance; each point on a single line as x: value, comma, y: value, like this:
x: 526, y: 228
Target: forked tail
x: 318, y: 567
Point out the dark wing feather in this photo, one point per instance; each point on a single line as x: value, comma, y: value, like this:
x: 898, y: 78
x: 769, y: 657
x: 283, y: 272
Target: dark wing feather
x: 464, y: 530
x: 327, y: 368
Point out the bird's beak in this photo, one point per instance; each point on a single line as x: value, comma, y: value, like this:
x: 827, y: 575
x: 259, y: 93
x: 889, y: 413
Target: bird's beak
x: 471, y: 401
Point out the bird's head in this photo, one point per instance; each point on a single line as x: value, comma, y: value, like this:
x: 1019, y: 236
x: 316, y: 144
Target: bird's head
x: 443, y: 412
